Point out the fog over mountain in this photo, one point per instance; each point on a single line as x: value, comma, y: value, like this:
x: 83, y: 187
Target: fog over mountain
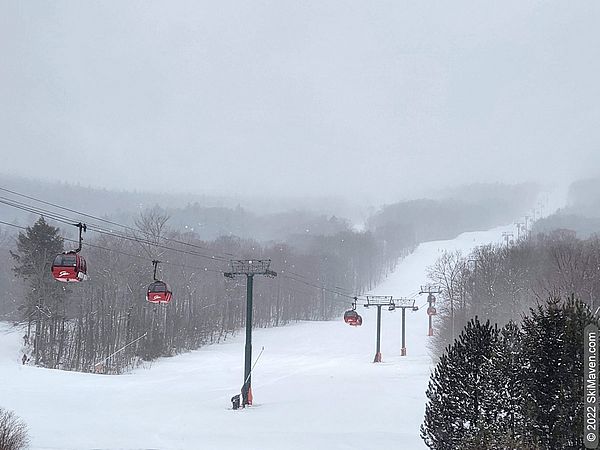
x: 375, y: 101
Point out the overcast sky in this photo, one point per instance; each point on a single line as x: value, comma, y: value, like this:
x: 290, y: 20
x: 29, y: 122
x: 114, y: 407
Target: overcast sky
x: 375, y: 98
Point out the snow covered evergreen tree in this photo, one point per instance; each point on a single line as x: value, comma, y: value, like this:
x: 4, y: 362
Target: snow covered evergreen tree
x: 507, y: 371
x: 462, y: 402
x: 513, y: 388
x: 553, y: 348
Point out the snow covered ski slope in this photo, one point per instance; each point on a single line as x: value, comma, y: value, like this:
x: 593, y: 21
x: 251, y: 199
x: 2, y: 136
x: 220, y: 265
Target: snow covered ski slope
x: 315, y: 386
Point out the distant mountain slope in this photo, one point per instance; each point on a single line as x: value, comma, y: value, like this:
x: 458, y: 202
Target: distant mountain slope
x: 582, y: 213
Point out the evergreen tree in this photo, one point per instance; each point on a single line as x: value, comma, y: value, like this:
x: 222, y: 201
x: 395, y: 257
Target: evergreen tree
x: 507, y: 371
x: 553, y: 348
x: 44, y: 303
x: 462, y: 404
x: 36, y: 249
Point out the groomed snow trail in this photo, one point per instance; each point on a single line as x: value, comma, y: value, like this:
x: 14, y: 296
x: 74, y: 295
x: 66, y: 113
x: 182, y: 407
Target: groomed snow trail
x: 315, y: 386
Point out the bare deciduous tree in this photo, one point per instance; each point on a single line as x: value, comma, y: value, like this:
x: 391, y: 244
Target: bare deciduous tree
x: 506, y: 281
x: 13, y: 431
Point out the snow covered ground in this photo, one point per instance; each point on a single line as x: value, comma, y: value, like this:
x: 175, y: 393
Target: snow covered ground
x: 315, y: 386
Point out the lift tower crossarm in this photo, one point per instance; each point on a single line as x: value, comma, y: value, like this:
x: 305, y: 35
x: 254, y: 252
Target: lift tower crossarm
x: 430, y: 289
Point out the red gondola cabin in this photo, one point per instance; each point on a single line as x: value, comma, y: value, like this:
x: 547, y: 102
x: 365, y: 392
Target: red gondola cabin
x: 351, y: 317
x: 69, y: 268
x: 159, y: 292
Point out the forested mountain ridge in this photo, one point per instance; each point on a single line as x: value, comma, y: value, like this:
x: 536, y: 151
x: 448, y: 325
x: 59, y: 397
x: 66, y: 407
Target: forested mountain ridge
x: 582, y: 212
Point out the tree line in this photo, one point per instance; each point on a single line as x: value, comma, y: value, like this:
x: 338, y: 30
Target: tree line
x: 79, y: 327
x: 499, y: 283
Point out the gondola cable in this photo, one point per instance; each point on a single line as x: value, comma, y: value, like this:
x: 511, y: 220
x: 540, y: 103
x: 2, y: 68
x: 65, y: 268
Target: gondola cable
x: 64, y: 219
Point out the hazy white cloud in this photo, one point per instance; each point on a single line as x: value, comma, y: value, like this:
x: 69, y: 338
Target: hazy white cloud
x: 383, y: 99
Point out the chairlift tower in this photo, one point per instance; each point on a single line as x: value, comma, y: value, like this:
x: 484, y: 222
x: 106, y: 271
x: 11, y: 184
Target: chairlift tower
x: 474, y: 298
x: 431, y: 311
x: 404, y: 304
x: 379, y: 301
x: 249, y: 268
x: 507, y: 237
x: 520, y: 228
